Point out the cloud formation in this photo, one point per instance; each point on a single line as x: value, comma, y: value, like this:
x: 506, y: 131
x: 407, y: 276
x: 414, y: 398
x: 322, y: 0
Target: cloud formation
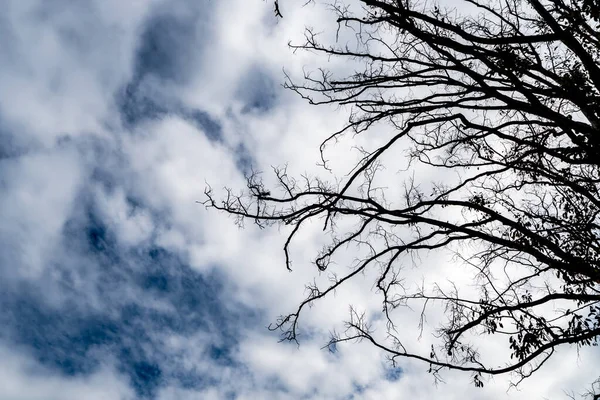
x: 114, y: 282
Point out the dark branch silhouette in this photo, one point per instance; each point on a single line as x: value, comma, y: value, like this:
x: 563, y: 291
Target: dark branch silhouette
x: 502, y: 98
x: 277, y: 12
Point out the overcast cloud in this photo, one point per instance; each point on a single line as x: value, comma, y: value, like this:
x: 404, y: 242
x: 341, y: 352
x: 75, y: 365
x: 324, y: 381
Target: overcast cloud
x: 114, y: 282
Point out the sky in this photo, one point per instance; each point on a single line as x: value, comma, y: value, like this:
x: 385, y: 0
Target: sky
x: 114, y: 282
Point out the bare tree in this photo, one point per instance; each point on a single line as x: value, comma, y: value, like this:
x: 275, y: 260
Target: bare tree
x: 503, y: 98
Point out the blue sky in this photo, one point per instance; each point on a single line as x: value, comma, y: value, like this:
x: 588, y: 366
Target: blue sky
x: 114, y: 282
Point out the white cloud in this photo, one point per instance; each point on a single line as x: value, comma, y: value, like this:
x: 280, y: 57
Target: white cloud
x: 21, y: 378
x: 65, y: 63
x: 61, y: 78
x: 40, y: 190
